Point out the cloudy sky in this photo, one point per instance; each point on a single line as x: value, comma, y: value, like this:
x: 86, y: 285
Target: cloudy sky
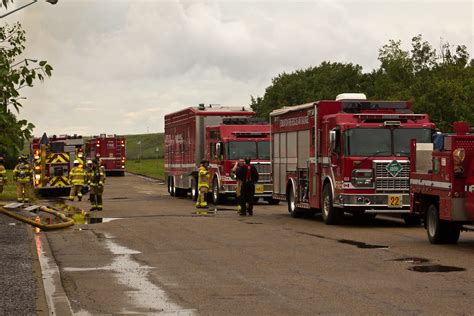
x: 120, y: 66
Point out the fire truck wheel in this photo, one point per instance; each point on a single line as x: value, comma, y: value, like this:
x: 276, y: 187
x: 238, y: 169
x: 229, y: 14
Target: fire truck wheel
x: 331, y: 215
x: 454, y: 230
x: 436, y: 228
x: 171, y: 187
x: 217, y: 198
x: 194, y: 189
x: 292, y: 208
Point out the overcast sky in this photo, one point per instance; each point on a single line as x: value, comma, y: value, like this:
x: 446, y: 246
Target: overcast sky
x: 120, y: 66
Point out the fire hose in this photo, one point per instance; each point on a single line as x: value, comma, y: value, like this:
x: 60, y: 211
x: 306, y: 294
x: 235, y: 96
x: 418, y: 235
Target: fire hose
x: 65, y: 221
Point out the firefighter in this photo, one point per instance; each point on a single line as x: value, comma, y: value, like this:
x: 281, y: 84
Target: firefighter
x: 203, y: 184
x: 236, y: 167
x: 77, y: 177
x: 3, y: 175
x: 23, y: 176
x: 96, y: 184
x: 248, y: 175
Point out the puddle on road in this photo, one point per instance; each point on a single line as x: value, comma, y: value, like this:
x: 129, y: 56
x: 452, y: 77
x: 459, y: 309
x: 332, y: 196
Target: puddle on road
x: 134, y: 275
x: 412, y: 260
x: 360, y: 244
x: 435, y: 268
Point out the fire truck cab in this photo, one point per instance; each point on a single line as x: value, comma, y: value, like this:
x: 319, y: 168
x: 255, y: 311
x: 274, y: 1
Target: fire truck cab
x: 442, y: 183
x: 345, y: 155
x: 53, y: 158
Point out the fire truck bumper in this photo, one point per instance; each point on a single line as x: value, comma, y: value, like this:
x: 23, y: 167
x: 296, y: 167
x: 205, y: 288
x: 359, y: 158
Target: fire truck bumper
x: 229, y: 189
x: 376, y: 203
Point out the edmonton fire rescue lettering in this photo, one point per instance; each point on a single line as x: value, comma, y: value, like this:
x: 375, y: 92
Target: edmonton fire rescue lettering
x: 294, y: 121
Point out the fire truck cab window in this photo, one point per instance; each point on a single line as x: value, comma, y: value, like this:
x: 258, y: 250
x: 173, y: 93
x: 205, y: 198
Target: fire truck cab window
x: 368, y: 142
x: 263, y: 150
x: 402, y: 138
x: 242, y: 149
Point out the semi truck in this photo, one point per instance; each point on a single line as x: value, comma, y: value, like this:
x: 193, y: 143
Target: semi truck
x: 111, y: 151
x: 222, y: 135
x: 53, y: 158
x: 442, y: 183
x: 345, y: 155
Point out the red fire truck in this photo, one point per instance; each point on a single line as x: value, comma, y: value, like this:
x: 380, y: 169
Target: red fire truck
x: 345, y: 155
x: 110, y: 149
x: 221, y: 135
x: 53, y: 158
x: 442, y: 183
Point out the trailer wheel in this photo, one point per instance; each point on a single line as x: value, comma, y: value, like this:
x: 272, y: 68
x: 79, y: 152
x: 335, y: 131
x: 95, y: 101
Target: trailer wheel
x: 172, y: 187
x: 331, y: 215
x: 292, y: 208
x: 436, y: 228
x: 194, y: 189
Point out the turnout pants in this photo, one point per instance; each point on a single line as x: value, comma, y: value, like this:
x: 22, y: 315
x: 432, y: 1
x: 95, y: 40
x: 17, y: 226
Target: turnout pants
x: 95, y: 197
x: 23, y: 191
x: 201, y: 200
x: 76, y: 190
x: 246, y: 198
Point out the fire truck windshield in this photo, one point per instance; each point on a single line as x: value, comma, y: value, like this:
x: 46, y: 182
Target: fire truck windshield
x: 252, y: 149
x: 383, y: 142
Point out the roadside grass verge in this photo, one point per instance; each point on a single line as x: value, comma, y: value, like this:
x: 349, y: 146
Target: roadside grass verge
x: 153, y: 168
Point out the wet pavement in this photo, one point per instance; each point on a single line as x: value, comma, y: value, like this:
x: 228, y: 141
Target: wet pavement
x: 18, y: 275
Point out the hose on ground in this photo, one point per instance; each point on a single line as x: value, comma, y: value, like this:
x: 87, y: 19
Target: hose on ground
x: 65, y: 221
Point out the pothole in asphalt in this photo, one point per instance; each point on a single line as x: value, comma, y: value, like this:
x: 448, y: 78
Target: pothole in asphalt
x: 435, y: 268
x: 360, y: 244
x: 413, y: 260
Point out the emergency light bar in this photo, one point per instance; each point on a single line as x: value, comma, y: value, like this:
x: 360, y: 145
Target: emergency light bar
x: 357, y: 106
x: 250, y: 134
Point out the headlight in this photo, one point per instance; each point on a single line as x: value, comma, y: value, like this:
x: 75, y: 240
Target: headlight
x: 362, y: 178
x: 37, y: 176
x: 458, y: 155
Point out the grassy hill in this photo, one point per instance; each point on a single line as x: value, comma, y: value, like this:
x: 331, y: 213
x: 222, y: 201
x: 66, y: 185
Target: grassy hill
x: 149, y: 143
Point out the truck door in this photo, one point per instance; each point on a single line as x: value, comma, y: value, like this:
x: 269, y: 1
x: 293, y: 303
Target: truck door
x: 469, y: 195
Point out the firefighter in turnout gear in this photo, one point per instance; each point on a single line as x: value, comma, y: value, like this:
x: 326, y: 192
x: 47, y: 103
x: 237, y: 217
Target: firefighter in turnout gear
x: 77, y: 177
x: 3, y: 175
x: 238, y: 186
x: 96, y: 183
x: 203, y: 184
x: 248, y: 175
x: 23, y: 176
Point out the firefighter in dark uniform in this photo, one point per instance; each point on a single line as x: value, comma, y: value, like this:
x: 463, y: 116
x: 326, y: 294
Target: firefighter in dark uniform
x: 23, y: 176
x: 96, y: 184
x: 248, y: 176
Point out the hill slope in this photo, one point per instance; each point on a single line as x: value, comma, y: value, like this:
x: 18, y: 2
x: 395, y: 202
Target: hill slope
x: 149, y: 144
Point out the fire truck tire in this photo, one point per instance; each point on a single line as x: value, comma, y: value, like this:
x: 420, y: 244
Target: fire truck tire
x: 294, y: 211
x: 217, y: 197
x: 194, y: 189
x: 436, y: 228
x: 171, y: 187
x: 454, y: 230
x: 331, y: 215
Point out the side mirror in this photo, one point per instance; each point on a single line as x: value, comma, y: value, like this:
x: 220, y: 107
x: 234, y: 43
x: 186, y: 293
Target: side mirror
x: 219, y: 150
x: 333, y: 140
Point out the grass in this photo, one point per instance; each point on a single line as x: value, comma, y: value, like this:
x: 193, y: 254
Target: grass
x: 149, y: 144
x: 148, y: 167
x: 9, y: 191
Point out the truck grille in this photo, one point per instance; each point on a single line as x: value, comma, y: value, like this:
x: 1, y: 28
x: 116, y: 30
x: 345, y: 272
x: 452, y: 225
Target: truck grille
x: 264, y: 172
x: 385, y: 182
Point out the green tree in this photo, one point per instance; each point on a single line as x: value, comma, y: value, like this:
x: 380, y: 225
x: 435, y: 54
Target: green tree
x: 15, y: 75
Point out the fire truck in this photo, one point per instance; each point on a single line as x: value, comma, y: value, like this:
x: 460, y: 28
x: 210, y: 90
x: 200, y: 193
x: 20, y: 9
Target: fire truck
x: 442, y: 183
x: 345, y: 155
x: 53, y: 158
x: 110, y: 149
x: 221, y: 135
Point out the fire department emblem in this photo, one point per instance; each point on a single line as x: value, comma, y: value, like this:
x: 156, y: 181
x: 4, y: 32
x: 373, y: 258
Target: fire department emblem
x: 394, y: 168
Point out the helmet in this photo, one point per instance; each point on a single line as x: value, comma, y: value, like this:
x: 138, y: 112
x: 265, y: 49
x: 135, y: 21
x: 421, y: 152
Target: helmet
x: 89, y: 162
x: 22, y: 158
x: 76, y: 162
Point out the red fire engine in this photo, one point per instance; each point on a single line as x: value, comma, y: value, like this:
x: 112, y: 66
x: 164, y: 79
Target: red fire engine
x: 222, y: 135
x: 53, y: 159
x: 348, y: 155
x: 442, y: 183
x: 110, y: 149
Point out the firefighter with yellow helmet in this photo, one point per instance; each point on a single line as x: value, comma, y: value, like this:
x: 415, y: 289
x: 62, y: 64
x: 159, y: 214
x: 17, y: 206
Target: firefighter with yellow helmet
x: 96, y: 184
x: 203, y: 184
x: 23, y: 176
x: 77, y: 177
x: 3, y: 175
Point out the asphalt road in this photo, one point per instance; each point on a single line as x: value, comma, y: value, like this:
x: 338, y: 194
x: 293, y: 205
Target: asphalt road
x: 156, y: 256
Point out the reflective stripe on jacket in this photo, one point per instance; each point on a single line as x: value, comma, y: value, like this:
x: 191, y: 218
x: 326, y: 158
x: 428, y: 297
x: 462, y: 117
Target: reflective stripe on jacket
x: 203, y: 178
x: 22, y: 173
x: 3, y: 175
x: 77, y: 176
x: 97, y: 177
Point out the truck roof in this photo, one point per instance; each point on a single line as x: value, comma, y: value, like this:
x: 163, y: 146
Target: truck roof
x: 214, y: 110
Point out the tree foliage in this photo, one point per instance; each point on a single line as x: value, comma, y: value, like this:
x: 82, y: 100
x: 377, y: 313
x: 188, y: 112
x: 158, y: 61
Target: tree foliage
x: 440, y: 83
x: 15, y: 74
